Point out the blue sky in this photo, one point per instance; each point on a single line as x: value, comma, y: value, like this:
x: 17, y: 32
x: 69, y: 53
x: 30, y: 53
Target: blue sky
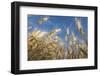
x: 53, y: 22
